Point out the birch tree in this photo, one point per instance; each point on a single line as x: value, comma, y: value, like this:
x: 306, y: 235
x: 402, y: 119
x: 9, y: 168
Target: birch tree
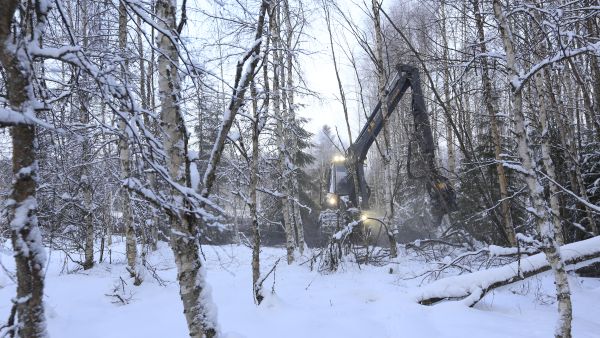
x: 291, y: 36
x: 256, y: 129
x: 125, y: 158
x: 387, y: 160
x: 197, y: 304
x: 17, y: 36
x: 282, y: 137
x: 541, y: 211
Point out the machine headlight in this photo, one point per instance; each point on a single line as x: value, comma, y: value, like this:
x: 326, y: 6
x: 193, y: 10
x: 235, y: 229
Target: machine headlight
x: 364, y: 217
x: 332, y: 200
x: 339, y: 158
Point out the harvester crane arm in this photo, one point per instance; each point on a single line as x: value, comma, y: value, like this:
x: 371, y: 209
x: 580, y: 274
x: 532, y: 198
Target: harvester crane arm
x: 439, y: 189
x: 405, y: 77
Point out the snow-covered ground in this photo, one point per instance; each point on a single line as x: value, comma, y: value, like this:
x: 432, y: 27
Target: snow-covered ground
x: 356, y: 302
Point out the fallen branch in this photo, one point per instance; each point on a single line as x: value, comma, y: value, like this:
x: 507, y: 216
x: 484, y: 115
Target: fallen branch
x: 472, y: 287
x: 122, y: 296
x: 422, y: 243
x: 154, y: 273
x: 466, y: 262
x: 258, y: 286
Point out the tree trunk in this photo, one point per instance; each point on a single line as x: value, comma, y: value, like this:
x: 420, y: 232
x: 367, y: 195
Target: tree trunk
x: 151, y: 224
x: 389, y: 179
x: 594, y: 30
x: 567, y: 139
x: 446, y: 57
x: 29, y: 253
x: 548, y: 163
x: 124, y: 157
x: 292, y: 122
x: 546, y: 229
x: 509, y: 229
x: 351, y: 168
x: 109, y: 228
x: 86, y: 157
x: 256, y: 287
x: 197, y: 304
x: 88, y: 221
x: 278, y: 70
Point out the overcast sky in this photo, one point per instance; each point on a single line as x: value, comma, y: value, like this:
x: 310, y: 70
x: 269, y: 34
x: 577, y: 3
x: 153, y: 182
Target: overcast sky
x: 315, y: 60
x: 320, y: 75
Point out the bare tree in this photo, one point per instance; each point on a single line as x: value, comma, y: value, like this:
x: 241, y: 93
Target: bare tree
x: 197, y: 304
x: 125, y: 158
x: 27, y: 315
x: 282, y: 137
x: 547, y: 229
x: 489, y: 101
x: 387, y: 160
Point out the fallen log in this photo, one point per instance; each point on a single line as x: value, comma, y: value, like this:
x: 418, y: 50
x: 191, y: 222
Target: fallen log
x: 472, y: 287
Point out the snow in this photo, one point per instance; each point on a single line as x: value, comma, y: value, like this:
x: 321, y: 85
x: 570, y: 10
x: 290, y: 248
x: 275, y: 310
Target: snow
x: 502, y: 251
x: 345, y: 231
x: 31, y: 244
x: 234, y: 135
x: 354, y: 302
x: 10, y: 116
x: 516, y: 167
x: 194, y: 176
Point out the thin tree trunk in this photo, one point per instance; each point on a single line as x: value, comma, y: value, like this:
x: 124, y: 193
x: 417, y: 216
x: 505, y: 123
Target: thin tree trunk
x: 109, y: 228
x: 337, y: 73
x: 145, y: 92
x: 86, y: 179
x: 286, y: 133
x: 571, y: 152
x: 256, y: 287
x: 509, y: 229
x: 281, y: 137
x: 351, y: 168
x: 86, y: 152
x: 156, y: 220
x: 543, y: 219
x: 548, y: 163
x: 124, y: 157
x: 197, y: 304
x: 595, y: 66
x: 292, y: 121
x: 446, y: 57
x: 472, y: 287
x: 389, y: 179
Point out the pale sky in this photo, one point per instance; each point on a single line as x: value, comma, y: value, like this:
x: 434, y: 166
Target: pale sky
x: 320, y: 75
x: 316, y: 64
x: 315, y: 61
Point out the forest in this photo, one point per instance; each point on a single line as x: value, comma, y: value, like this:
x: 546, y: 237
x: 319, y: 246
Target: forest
x: 289, y: 168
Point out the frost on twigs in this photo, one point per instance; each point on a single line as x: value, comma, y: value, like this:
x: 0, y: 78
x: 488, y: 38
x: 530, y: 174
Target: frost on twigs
x: 352, y: 241
x: 121, y: 293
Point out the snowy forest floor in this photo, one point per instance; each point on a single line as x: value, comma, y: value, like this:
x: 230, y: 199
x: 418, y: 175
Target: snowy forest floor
x: 354, y: 302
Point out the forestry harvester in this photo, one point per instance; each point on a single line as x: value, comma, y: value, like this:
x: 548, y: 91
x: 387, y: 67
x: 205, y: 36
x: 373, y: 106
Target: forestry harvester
x: 347, y: 188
